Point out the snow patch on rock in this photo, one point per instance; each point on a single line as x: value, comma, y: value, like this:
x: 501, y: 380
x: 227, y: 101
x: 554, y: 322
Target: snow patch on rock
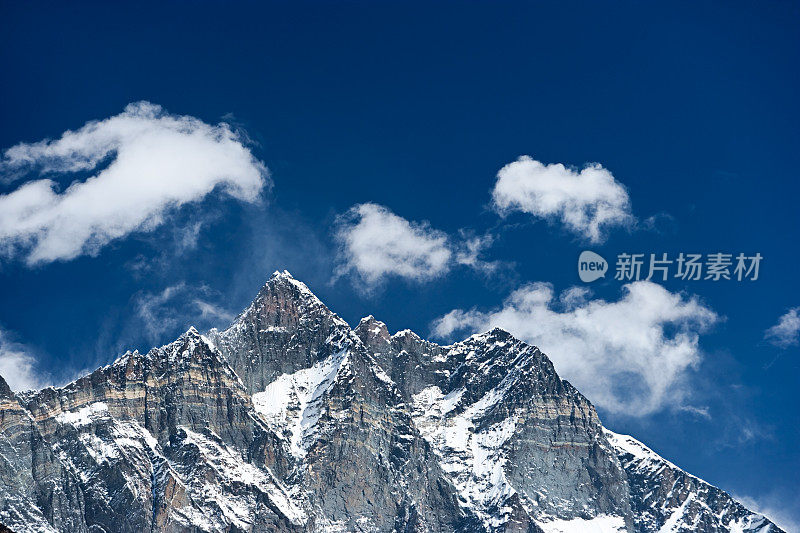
x: 474, y: 458
x: 293, y: 403
x: 85, y: 415
x: 599, y: 524
x: 230, y: 469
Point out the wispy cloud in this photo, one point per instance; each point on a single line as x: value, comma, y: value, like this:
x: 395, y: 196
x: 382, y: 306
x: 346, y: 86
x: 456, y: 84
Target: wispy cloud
x: 18, y: 367
x: 210, y: 312
x: 146, y: 162
x: 587, y: 202
x: 158, y: 317
x: 374, y: 244
x: 176, y: 307
x: 787, y: 331
x: 629, y: 356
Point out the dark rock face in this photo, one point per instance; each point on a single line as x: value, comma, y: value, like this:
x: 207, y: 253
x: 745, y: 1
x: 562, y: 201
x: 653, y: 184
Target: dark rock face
x: 35, y: 486
x: 284, y: 330
x: 291, y: 421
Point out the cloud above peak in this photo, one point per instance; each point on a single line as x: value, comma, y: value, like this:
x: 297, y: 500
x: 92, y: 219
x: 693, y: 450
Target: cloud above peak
x: 374, y: 243
x: 629, y: 356
x: 588, y: 202
x: 144, y: 161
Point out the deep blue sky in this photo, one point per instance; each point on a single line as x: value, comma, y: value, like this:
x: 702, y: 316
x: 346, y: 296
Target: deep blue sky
x: 693, y: 107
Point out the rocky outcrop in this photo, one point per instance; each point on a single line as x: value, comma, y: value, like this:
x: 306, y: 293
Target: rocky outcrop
x: 285, y: 329
x: 288, y: 420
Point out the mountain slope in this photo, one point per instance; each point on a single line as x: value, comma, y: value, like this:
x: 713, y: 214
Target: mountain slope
x: 667, y: 499
x: 154, y: 442
x: 288, y: 420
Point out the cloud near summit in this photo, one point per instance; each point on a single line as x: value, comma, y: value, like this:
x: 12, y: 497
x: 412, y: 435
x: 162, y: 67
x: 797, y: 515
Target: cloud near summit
x: 144, y: 162
x: 629, y: 356
x: 374, y: 244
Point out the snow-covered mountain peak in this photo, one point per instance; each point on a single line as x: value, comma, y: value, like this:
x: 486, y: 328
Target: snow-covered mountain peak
x: 284, y: 274
x: 190, y: 345
x: 285, y: 278
x: 286, y: 328
x: 371, y: 330
x: 403, y: 333
x: 289, y: 420
x: 284, y: 301
x: 493, y: 336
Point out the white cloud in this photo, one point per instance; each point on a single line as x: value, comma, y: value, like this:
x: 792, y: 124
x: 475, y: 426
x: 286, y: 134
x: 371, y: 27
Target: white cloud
x: 374, y: 243
x: 213, y: 313
x: 588, y: 202
x: 630, y: 356
x: 18, y: 367
x: 787, y: 331
x: 145, y: 162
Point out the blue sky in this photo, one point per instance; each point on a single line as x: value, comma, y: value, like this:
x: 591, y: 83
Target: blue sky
x: 383, y: 128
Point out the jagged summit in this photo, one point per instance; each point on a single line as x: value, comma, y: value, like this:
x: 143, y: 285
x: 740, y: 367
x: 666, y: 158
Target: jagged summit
x: 281, y: 274
x: 373, y: 328
x: 405, y: 332
x: 285, y: 328
x: 495, y: 334
x: 184, y: 347
x: 283, y: 289
x: 369, y: 319
x: 285, y: 278
x: 289, y: 420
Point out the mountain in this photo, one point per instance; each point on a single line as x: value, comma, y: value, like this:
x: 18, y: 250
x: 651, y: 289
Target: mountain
x: 289, y: 420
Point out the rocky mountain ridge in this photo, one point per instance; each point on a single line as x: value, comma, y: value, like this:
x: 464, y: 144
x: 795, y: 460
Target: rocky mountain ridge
x: 289, y: 420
